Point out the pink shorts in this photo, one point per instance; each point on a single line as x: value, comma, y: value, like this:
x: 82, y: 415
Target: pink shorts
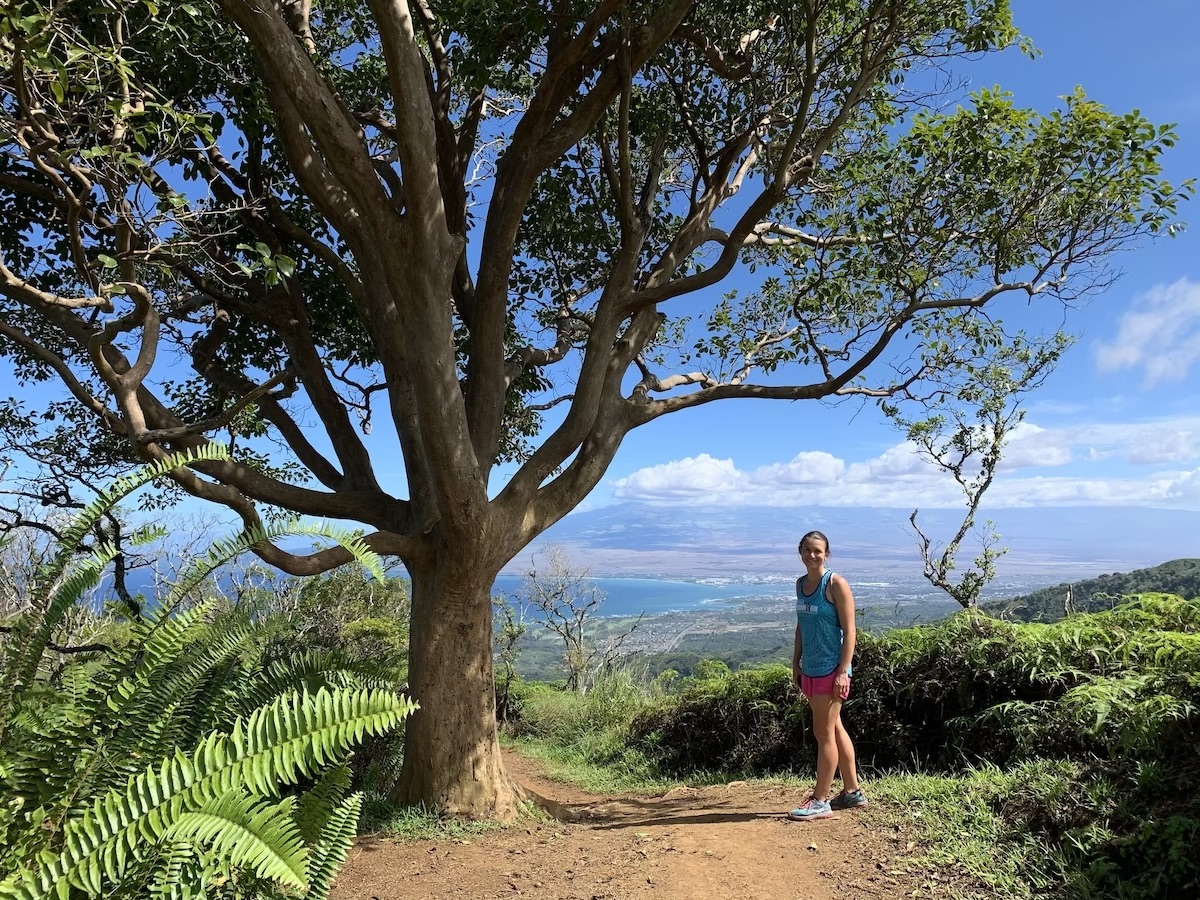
x: 822, y: 684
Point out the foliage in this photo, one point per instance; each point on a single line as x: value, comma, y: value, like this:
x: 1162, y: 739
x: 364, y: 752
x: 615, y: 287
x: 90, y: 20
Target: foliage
x: 510, y: 628
x: 962, y: 830
x: 1179, y: 576
x: 748, y: 721
x: 589, y: 729
x: 964, y: 435
x: 344, y: 626
x: 343, y: 613
x: 167, y: 765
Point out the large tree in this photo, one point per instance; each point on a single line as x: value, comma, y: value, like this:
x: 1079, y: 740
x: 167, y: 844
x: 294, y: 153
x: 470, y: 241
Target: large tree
x: 499, y: 230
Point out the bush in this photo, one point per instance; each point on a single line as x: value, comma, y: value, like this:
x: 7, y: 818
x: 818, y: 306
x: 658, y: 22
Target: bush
x: 750, y: 721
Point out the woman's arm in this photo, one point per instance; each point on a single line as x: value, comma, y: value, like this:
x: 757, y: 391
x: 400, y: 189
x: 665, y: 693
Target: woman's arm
x: 796, y: 656
x: 843, y: 601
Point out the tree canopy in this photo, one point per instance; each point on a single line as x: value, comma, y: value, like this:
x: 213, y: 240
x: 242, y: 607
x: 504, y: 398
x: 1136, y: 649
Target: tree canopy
x: 504, y: 232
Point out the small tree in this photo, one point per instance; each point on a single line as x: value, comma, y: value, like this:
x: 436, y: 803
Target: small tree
x: 568, y: 603
x: 510, y: 628
x: 964, y: 433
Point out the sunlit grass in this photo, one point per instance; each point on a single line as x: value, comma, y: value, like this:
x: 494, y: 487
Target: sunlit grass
x: 421, y: 823
x: 957, y: 832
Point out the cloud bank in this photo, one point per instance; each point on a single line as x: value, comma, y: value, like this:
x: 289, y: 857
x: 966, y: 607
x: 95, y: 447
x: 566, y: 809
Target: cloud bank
x: 1134, y: 464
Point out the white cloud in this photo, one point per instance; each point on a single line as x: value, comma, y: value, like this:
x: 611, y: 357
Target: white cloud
x: 897, y: 477
x: 1159, y: 335
x: 696, y: 478
x: 1156, y: 442
x: 816, y: 467
x: 1030, y: 446
x: 1173, y: 489
x: 898, y: 463
x: 1115, y: 464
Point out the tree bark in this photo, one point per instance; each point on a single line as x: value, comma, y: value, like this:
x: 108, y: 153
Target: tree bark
x: 452, y: 752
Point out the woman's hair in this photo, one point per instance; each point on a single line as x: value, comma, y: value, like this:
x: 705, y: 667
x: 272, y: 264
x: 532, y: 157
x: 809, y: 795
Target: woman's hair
x: 818, y: 536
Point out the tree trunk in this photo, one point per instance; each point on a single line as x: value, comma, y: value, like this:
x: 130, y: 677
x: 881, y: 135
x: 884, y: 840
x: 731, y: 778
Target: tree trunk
x: 451, y: 752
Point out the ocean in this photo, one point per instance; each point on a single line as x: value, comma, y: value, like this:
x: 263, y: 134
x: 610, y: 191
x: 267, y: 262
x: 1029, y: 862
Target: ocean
x: 657, y: 596
x: 633, y: 596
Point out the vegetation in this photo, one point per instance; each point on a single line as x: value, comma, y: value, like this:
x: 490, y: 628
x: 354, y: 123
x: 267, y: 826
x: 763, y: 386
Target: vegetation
x: 1179, y: 576
x: 444, y: 219
x: 1048, y: 757
x: 175, y: 761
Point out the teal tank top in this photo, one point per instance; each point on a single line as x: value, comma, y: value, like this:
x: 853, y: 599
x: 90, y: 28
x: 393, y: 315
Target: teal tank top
x: 820, y: 631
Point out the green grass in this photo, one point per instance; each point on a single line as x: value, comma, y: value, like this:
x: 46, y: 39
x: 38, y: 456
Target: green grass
x: 575, y: 765
x: 420, y: 823
x: 959, y: 834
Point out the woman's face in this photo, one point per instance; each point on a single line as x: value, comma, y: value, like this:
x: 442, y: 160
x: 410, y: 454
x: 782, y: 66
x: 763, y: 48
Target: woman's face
x: 813, y: 553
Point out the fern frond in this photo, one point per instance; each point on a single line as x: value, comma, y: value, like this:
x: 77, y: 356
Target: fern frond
x: 175, y: 876
x: 169, y: 699
x: 245, y: 832
x: 317, y: 804
x: 226, y: 549
x: 148, y: 534
x: 277, y: 744
x: 313, y: 670
x: 32, y: 631
x: 157, y: 642
x: 118, y: 490
x: 327, y: 856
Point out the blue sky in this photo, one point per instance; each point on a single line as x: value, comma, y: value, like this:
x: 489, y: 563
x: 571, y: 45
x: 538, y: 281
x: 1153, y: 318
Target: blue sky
x: 1118, y: 424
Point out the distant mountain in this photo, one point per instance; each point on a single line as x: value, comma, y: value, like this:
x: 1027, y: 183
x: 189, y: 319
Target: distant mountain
x: 1180, y: 576
x: 1065, y: 543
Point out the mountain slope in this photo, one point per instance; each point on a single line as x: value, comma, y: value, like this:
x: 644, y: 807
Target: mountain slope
x: 1179, y: 576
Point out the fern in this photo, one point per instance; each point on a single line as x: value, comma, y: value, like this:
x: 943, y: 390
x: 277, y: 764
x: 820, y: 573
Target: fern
x: 290, y: 738
x: 32, y: 631
x: 226, y: 549
x: 80, y: 809
x: 318, y: 803
x: 117, y: 491
x: 53, y: 594
x: 248, y: 833
x: 312, y: 669
x: 330, y: 852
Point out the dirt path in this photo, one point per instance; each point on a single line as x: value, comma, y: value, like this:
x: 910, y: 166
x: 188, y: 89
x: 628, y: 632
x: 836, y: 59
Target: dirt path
x: 726, y: 841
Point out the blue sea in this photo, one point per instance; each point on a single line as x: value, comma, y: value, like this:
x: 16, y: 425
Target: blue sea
x: 628, y: 596
x: 656, y: 596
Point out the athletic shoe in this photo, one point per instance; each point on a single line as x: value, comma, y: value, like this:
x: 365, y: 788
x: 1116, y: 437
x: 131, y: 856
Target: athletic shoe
x: 848, y: 800
x: 813, y: 809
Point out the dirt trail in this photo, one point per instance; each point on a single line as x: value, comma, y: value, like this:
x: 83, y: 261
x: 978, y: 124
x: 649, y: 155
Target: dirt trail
x: 716, y: 842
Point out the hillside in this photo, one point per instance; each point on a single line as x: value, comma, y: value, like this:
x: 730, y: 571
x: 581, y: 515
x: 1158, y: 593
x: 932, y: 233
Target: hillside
x: 1179, y: 576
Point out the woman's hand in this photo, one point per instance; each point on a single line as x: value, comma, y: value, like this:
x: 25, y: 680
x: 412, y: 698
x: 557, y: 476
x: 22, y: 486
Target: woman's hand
x: 841, y: 684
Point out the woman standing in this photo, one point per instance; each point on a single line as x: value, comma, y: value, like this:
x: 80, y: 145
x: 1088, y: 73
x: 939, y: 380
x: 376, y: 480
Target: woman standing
x: 821, y: 668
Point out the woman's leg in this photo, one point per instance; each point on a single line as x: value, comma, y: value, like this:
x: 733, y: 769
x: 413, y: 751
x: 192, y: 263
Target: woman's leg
x: 826, y: 710
x: 845, y: 751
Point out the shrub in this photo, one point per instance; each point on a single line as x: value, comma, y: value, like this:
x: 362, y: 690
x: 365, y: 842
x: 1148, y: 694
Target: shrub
x: 752, y: 720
